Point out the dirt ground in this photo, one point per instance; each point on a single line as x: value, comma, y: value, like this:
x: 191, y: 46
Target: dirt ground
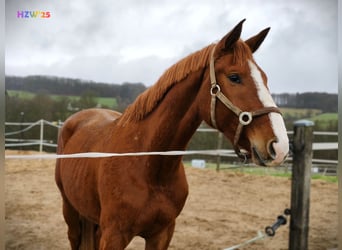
x: 223, y: 209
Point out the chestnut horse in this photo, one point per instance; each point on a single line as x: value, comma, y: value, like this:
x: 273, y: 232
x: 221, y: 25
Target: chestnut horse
x: 108, y: 201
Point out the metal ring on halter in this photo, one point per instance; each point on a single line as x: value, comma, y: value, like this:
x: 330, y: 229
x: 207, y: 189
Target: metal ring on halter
x: 244, y: 157
x: 215, y: 89
x: 243, y: 116
x: 241, y: 155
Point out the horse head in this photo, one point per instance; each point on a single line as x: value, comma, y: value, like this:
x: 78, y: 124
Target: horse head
x: 240, y: 103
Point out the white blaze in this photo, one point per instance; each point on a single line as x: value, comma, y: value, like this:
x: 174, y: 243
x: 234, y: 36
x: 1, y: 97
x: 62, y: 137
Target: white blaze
x: 282, y: 146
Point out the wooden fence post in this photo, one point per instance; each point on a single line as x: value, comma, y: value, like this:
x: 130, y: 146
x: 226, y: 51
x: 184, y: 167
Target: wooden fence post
x: 301, y: 181
x: 219, y: 146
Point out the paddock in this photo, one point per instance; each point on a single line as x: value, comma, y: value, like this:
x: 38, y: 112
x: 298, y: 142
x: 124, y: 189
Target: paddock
x: 223, y: 209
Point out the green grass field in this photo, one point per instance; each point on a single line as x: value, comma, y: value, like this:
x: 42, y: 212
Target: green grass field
x: 311, y: 114
x: 104, y: 101
x: 20, y: 94
x: 323, y: 121
x: 325, y: 117
x: 326, y: 121
x: 107, y: 101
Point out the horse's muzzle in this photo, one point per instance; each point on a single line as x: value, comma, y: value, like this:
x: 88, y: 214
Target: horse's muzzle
x: 274, y: 156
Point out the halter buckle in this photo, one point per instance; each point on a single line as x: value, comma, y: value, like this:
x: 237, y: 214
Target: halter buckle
x: 215, y: 89
x: 245, y: 118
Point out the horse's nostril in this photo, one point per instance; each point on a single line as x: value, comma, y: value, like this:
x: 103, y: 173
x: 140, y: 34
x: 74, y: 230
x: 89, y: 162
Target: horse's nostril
x: 270, y: 149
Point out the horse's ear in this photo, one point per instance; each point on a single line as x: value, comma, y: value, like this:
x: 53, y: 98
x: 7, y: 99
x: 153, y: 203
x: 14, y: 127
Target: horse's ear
x: 255, y: 41
x: 231, y: 38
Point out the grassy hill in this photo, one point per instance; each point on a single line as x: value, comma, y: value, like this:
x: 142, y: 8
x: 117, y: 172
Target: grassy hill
x: 110, y: 102
x: 326, y: 121
x: 323, y: 121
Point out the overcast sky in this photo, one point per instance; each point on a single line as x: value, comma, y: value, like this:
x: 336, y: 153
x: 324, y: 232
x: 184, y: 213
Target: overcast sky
x: 136, y: 41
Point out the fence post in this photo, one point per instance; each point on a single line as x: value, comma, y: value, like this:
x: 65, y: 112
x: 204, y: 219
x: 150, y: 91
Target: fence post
x: 219, y: 146
x: 301, y: 181
x: 41, y: 135
x: 21, y: 129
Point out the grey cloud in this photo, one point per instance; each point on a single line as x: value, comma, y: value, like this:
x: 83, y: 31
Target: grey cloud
x: 91, y: 40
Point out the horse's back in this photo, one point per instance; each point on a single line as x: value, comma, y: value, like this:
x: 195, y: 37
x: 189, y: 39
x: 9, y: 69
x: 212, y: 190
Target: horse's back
x: 84, y: 131
x: 82, y: 125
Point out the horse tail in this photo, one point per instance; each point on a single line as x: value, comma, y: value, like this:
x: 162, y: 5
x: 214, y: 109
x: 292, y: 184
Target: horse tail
x: 88, y: 233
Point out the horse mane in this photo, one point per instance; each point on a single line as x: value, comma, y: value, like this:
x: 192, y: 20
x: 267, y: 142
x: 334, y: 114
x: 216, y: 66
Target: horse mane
x: 150, y: 98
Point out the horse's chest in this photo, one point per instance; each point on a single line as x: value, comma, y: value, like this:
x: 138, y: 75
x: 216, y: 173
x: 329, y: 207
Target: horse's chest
x: 169, y: 200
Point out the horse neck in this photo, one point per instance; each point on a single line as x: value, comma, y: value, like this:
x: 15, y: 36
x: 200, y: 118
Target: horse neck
x: 170, y: 127
x: 176, y: 119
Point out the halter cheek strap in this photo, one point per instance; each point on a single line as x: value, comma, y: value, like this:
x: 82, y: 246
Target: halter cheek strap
x: 245, y: 117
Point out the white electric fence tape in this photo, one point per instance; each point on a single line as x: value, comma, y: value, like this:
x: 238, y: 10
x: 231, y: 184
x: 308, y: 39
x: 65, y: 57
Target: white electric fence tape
x: 103, y: 155
x: 259, y: 237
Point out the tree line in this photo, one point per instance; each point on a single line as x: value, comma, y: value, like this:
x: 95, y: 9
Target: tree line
x: 125, y: 93
x: 326, y: 102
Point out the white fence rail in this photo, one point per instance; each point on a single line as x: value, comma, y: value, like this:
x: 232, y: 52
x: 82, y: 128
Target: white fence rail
x: 15, y: 142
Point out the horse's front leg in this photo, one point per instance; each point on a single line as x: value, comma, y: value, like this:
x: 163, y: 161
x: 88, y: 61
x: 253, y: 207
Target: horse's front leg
x: 112, y: 239
x: 161, y: 240
x: 114, y: 232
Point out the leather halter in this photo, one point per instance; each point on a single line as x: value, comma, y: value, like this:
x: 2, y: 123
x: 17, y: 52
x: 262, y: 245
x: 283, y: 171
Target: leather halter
x: 245, y: 117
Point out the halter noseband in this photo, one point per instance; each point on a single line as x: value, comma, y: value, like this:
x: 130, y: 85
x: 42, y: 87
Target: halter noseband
x: 245, y: 117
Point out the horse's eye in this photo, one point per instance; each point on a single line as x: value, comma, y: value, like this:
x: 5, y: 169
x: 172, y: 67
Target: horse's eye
x: 235, y: 78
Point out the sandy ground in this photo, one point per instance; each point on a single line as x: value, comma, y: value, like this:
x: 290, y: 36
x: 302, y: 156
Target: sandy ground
x: 223, y: 209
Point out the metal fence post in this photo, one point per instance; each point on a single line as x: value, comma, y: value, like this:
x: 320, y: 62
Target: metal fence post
x: 301, y: 181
